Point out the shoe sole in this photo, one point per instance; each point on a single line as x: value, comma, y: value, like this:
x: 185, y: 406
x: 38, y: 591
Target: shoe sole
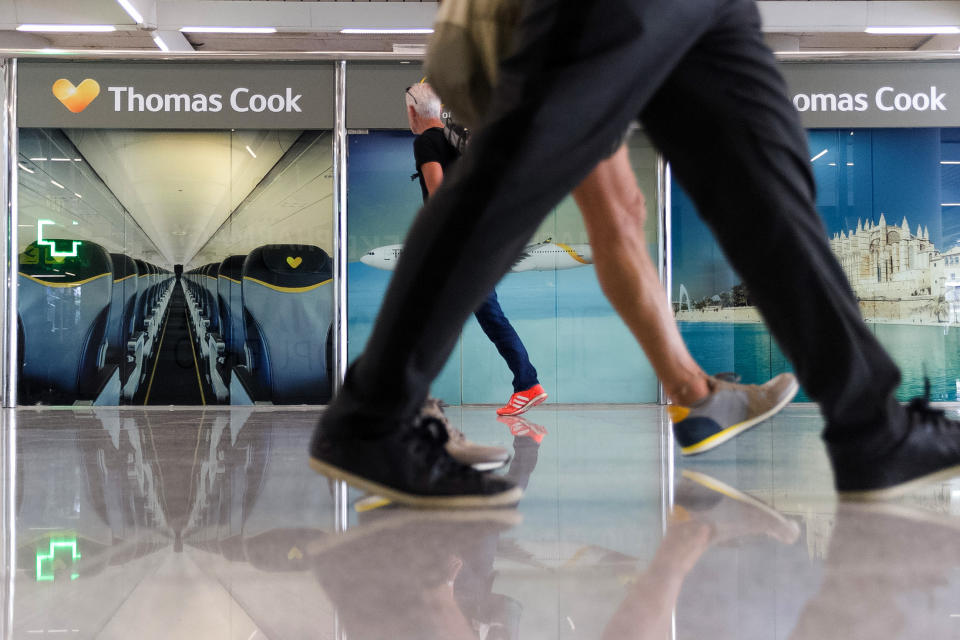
x: 713, y: 484
x: 530, y: 405
x: 720, y: 437
x: 506, y: 499
x: 897, y: 490
x: 375, y: 502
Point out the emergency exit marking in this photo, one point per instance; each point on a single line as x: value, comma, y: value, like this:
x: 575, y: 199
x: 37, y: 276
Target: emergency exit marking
x: 50, y: 243
x: 55, y: 545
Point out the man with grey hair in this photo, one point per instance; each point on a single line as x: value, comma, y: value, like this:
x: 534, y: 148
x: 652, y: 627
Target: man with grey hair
x: 434, y: 156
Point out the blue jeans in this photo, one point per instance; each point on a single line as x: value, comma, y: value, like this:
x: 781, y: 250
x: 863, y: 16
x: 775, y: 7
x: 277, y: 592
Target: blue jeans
x: 505, y: 339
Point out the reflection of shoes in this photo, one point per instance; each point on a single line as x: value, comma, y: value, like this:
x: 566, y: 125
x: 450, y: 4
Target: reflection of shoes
x: 521, y: 427
x: 410, y: 465
x: 729, y: 409
x: 523, y: 400
x: 928, y: 452
x: 729, y: 512
x: 478, y: 456
x: 397, y: 574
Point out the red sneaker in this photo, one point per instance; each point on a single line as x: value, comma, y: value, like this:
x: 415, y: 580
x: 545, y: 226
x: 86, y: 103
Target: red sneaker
x: 523, y: 400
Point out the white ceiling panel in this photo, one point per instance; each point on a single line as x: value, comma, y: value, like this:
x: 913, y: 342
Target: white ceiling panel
x: 180, y: 186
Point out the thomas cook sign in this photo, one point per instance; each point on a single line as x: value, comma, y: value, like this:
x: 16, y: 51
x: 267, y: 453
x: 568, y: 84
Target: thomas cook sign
x: 175, y: 96
x: 875, y: 94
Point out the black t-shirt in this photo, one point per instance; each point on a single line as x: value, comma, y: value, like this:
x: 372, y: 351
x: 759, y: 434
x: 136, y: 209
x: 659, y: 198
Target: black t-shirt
x: 432, y: 146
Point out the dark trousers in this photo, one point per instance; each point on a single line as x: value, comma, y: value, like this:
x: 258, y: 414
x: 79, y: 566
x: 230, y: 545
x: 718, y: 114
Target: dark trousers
x: 504, y: 337
x: 708, y: 93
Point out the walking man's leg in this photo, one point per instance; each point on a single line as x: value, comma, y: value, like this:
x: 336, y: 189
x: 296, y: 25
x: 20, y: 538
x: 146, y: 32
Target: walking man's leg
x: 579, y: 74
x: 735, y: 143
x: 707, y: 410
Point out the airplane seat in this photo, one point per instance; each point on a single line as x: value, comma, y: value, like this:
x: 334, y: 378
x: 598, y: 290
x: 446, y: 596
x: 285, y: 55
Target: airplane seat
x: 210, y: 288
x: 123, y: 298
x: 289, y: 311
x: 141, y: 310
x: 229, y: 281
x: 64, y: 305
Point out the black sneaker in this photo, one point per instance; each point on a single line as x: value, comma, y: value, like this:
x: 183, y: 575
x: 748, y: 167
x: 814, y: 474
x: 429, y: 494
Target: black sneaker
x: 927, y: 452
x: 410, y: 466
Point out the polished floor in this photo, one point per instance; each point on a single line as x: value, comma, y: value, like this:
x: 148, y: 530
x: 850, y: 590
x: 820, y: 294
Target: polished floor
x: 188, y: 523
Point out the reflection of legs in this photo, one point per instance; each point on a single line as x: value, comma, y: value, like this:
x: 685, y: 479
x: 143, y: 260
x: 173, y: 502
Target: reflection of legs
x: 614, y: 211
x: 706, y: 512
x: 646, y: 611
x: 501, y: 333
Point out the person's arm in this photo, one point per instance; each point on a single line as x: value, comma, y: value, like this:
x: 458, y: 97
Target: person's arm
x: 432, y: 175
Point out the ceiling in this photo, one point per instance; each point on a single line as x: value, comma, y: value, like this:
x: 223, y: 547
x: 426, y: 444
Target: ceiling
x: 309, y: 25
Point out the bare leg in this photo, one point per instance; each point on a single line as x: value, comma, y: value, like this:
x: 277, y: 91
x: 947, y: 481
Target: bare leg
x: 614, y: 211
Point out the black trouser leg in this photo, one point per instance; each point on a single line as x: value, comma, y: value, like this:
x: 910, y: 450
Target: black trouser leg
x: 580, y: 73
x: 735, y: 143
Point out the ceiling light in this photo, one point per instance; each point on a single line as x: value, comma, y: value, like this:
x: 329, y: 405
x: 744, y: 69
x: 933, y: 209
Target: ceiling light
x: 387, y: 31
x: 160, y: 43
x: 25, y: 167
x: 950, y: 204
x: 57, y: 184
x: 950, y: 162
x: 912, y: 30
x: 131, y: 11
x: 849, y: 164
x: 38, y: 159
x: 59, y: 159
x: 75, y: 222
x: 250, y: 151
x: 78, y: 28
x: 819, y: 155
x: 78, y: 195
x: 228, y: 29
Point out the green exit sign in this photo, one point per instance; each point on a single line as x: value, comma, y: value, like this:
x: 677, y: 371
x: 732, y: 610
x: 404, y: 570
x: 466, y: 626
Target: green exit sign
x: 65, y: 548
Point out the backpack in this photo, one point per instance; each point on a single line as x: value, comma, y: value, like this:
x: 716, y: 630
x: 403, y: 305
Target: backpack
x: 456, y: 134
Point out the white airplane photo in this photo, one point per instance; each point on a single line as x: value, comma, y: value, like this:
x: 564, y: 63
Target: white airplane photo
x: 541, y: 256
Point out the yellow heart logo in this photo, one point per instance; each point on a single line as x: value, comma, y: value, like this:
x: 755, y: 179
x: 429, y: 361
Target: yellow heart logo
x: 294, y: 262
x: 76, y: 98
x: 295, y: 554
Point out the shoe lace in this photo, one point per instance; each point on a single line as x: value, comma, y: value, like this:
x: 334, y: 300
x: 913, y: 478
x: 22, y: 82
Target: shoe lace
x: 426, y: 441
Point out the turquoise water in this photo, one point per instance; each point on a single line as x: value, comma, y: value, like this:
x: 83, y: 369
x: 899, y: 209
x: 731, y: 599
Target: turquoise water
x: 584, y: 353
x: 581, y: 349
x: 750, y: 350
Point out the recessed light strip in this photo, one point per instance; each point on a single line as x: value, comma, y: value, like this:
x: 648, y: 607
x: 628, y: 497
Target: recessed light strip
x: 160, y: 43
x: 387, y: 31
x: 228, y: 29
x: 70, y: 28
x: 931, y: 30
x: 131, y: 11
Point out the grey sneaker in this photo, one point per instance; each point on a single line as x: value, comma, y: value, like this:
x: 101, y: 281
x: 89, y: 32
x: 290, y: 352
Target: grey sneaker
x: 478, y: 456
x: 729, y: 410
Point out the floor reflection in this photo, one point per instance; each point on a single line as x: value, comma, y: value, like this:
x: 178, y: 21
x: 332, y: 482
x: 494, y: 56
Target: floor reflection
x: 209, y: 524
